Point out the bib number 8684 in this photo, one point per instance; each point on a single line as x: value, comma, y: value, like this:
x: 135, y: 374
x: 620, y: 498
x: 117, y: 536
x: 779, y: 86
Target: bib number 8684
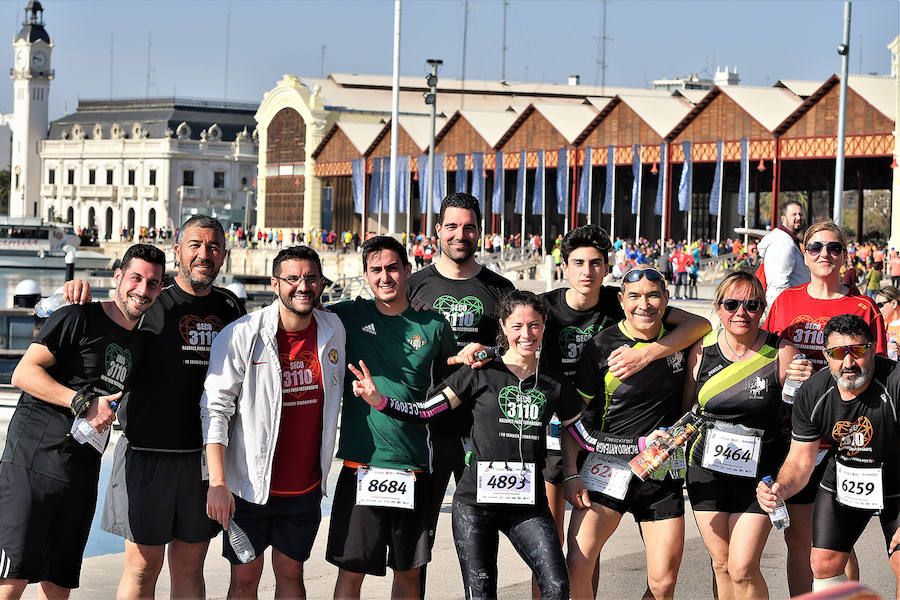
x: 390, y: 486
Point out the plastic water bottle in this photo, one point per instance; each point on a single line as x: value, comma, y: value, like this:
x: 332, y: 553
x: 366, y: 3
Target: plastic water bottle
x: 240, y: 543
x: 50, y: 305
x: 780, y: 518
x: 789, y: 390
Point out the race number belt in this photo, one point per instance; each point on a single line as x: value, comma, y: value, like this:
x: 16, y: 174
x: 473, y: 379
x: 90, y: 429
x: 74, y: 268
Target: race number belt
x: 608, y: 475
x: 732, y: 449
x: 859, y: 488
x: 391, y: 488
x: 503, y: 482
x: 554, y: 431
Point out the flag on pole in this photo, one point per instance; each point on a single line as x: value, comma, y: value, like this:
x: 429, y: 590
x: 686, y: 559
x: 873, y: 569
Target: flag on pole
x: 609, y: 196
x: 537, y: 195
x: 358, y: 177
x: 478, y: 178
x: 402, y: 183
x: 497, y: 196
x: 385, y: 197
x: 440, y: 179
x: 461, y: 173
x: 636, y: 184
x: 562, y: 181
x: 715, y: 194
x: 584, y: 188
x: 684, y: 187
x: 520, y: 186
x: 744, y: 192
x: 661, y: 183
x: 422, y: 168
x: 375, y: 185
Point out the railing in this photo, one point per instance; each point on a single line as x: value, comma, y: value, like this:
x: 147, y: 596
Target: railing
x: 346, y: 288
x: 48, y: 189
x: 128, y: 192
x: 149, y: 191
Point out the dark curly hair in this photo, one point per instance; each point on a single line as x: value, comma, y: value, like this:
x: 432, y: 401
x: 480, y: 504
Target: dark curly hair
x: 513, y: 300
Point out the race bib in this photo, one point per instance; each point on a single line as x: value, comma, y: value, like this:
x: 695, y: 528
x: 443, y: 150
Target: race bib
x: 501, y: 482
x: 732, y: 453
x: 204, y: 466
x: 554, y: 431
x: 608, y: 475
x: 83, y: 433
x: 859, y: 488
x: 391, y: 488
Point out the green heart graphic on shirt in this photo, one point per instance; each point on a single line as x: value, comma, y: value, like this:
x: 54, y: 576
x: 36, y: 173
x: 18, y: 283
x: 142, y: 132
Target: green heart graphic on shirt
x: 523, y: 408
x: 117, y: 363
x: 572, y: 339
x: 465, y: 312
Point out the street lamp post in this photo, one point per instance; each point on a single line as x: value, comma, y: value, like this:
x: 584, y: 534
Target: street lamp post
x: 431, y: 99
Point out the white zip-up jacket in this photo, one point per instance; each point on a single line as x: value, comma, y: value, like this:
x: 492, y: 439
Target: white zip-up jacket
x: 241, y: 403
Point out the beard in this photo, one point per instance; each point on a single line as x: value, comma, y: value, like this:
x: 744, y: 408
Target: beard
x: 198, y: 283
x: 854, y: 381
x: 460, y: 253
x: 285, y: 299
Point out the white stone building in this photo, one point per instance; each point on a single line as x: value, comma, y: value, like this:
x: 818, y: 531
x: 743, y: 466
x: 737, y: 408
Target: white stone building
x: 131, y: 163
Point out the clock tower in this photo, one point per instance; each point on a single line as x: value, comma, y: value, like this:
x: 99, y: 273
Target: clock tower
x: 31, y: 75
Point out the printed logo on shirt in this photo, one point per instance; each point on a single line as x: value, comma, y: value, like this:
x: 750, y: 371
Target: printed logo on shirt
x: 370, y: 328
x: 117, y: 366
x: 463, y: 314
x: 300, y: 374
x: 806, y: 334
x: 756, y: 387
x: 333, y: 356
x: 676, y: 362
x: 572, y: 340
x: 853, y: 437
x: 198, y: 334
x: 416, y: 341
x: 523, y: 408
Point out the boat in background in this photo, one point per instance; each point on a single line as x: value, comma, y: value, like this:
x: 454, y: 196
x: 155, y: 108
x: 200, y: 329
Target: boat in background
x: 32, y: 243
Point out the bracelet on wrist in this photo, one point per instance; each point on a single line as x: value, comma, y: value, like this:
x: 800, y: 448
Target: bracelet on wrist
x: 82, y: 400
x: 569, y: 478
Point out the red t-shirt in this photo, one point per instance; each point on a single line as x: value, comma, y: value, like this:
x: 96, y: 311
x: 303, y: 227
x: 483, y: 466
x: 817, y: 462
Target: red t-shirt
x: 797, y: 317
x: 296, y: 469
x: 681, y: 261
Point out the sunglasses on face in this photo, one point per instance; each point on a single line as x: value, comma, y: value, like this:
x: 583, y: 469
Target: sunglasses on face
x: 635, y: 275
x: 834, y: 248
x: 855, y: 350
x: 751, y: 305
x: 880, y: 304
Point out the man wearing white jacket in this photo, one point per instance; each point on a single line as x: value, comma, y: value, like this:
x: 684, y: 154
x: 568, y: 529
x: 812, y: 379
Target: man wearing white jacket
x: 783, y: 263
x: 269, y: 411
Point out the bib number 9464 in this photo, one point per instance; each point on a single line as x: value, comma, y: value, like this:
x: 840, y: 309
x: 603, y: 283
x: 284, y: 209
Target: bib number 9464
x: 391, y: 488
x: 505, y: 482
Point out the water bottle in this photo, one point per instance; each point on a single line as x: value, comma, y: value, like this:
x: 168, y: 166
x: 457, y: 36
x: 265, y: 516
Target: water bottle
x: 780, y: 518
x: 892, y: 346
x: 240, y: 543
x: 789, y: 390
x: 50, y: 305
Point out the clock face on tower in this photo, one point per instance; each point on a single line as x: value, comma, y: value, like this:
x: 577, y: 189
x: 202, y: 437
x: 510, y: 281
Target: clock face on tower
x: 39, y: 60
x: 21, y: 57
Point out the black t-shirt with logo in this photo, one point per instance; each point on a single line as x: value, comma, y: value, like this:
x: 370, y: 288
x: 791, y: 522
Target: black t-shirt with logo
x: 510, y: 416
x: 643, y: 402
x: 162, y: 412
x: 863, y: 432
x: 470, y: 306
x: 90, y: 349
x: 569, y: 329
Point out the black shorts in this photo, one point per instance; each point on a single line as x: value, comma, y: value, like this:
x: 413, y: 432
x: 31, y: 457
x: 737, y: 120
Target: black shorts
x: 287, y: 523
x: 712, y: 491
x: 649, y: 500
x: 44, y: 526
x: 838, y: 527
x: 156, y: 497
x: 365, y: 539
x: 553, y: 469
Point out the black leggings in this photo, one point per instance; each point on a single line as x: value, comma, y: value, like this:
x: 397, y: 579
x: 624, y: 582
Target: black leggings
x: 531, y: 530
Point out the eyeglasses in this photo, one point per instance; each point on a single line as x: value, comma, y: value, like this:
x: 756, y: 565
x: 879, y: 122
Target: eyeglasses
x: 751, y: 305
x: 296, y: 279
x: 834, y: 248
x: 635, y: 275
x: 840, y: 352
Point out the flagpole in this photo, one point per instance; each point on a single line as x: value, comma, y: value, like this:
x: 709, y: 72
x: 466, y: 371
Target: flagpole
x: 543, y: 205
x: 664, y: 172
x: 640, y: 169
x: 589, y: 162
x: 611, y: 164
x: 524, y: 189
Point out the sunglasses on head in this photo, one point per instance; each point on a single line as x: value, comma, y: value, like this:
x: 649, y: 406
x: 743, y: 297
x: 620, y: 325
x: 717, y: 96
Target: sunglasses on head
x: 751, y: 305
x: 834, y: 248
x: 840, y: 352
x: 635, y: 275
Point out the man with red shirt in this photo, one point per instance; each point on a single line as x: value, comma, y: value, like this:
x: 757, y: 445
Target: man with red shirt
x: 681, y: 260
x: 269, y: 409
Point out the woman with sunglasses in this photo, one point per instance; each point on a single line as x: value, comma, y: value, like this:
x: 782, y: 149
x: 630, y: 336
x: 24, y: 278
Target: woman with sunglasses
x: 799, y: 315
x: 735, y: 376
x: 888, y: 302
